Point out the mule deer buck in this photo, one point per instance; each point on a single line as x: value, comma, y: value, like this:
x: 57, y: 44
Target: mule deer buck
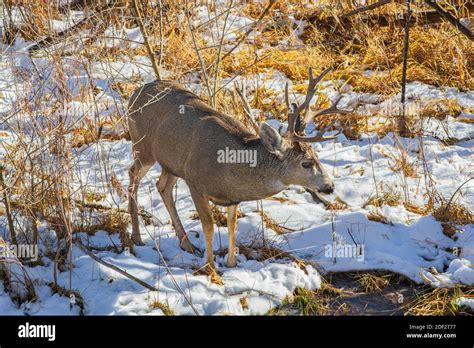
x: 174, y: 127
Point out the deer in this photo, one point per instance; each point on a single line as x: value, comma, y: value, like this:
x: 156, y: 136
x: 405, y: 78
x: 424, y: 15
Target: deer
x: 177, y: 129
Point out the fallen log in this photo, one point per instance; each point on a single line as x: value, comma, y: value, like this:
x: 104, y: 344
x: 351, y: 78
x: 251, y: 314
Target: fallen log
x: 88, y: 21
x: 429, y: 17
x: 451, y: 19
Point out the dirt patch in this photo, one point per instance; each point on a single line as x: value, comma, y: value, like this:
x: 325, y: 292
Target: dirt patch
x: 361, y: 293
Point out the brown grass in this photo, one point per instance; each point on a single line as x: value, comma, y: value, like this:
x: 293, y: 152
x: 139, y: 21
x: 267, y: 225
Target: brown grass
x: 338, y: 204
x: 454, y: 213
x: 451, y: 215
x: 272, y: 224
x: 371, y: 282
x: 244, y: 303
x: 388, y: 197
x: 439, y: 301
x: 440, y: 108
x: 437, y: 56
x: 213, y: 275
x: 316, y: 302
x: 378, y: 217
x: 165, y: 308
x: 88, y: 133
x: 413, y: 208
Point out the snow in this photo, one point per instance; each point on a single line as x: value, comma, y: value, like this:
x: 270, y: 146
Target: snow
x: 467, y: 302
x: 460, y: 271
x: 327, y: 241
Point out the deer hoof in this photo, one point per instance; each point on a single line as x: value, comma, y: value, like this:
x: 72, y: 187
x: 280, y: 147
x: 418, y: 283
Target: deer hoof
x: 231, y: 263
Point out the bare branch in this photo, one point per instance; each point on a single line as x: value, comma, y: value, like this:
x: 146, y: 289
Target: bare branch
x: 366, y: 8
x: 149, y: 49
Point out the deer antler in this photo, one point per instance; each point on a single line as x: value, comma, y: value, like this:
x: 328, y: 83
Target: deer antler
x: 293, y: 114
x: 242, y: 92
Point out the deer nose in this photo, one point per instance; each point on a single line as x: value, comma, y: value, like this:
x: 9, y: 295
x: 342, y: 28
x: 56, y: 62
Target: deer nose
x: 328, y: 188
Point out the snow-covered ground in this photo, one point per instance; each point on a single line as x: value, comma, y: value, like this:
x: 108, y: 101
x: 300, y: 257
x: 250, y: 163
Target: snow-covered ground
x: 342, y: 240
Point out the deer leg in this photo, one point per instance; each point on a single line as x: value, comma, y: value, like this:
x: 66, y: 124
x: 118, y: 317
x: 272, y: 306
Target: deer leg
x: 231, y: 227
x: 202, y: 206
x: 136, y: 173
x: 165, y: 186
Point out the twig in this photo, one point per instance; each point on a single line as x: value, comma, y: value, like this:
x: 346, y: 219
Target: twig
x: 213, y: 19
x: 160, y: 60
x: 6, y: 201
x: 455, y: 192
x: 115, y: 268
x: 250, y: 30
x: 366, y: 8
x: 219, y: 55
x: 198, y: 53
x: 402, y: 124
x: 151, y: 55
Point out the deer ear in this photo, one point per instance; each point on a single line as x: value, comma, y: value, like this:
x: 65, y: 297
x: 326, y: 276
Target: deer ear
x: 271, y: 139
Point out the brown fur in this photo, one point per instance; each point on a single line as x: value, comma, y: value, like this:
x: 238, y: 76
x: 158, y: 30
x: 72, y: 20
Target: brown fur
x: 174, y: 127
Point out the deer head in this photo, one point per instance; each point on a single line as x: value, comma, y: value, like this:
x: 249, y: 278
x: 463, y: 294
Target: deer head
x: 302, y: 166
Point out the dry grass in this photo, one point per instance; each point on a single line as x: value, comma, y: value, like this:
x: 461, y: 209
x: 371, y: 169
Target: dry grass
x: 89, y: 133
x: 309, y: 303
x: 439, y: 301
x: 112, y: 221
x: 437, y: 56
x: 450, y: 229
x: 378, y: 217
x: 370, y: 282
x: 338, y: 204
x: 165, y: 308
x: 316, y: 302
x: 440, y: 108
x: 281, y: 200
x: 126, y: 88
x: 413, y: 208
x: 454, y: 213
x: 400, y: 162
x: 180, y: 55
x: 213, y: 275
x: 244, y: 303
x: 272, y: 224
x: 387, y: 197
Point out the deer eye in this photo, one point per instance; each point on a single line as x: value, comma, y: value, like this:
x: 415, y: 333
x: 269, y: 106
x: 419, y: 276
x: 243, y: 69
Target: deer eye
x: 307, y: 164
